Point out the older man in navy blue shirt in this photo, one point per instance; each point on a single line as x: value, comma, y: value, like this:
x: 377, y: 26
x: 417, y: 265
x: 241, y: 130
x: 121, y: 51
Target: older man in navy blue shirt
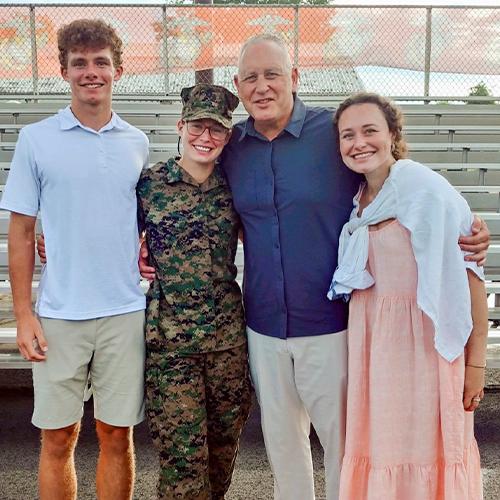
x: 293, y: 195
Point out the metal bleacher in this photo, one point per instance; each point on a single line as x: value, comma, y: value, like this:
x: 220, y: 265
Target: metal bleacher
x: 461, y: 142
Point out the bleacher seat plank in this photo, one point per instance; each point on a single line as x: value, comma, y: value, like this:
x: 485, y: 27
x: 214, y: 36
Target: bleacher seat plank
x: 153, y: 112
x: 8, y: 335
x: 441, y: 131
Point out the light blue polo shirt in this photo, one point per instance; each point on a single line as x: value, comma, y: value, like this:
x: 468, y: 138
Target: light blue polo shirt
x: 83, y: 184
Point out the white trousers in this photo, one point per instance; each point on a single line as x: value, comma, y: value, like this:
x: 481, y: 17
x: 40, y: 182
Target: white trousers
x: 298, y: 381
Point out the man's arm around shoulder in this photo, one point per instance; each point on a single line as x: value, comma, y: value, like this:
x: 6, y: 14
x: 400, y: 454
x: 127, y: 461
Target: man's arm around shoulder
x: 30, y: 338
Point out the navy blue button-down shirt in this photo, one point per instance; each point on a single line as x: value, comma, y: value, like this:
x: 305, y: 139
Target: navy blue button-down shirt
x: 293, y: 195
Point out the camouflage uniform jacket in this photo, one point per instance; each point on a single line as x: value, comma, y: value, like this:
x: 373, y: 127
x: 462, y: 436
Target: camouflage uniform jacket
x: 194, y: 304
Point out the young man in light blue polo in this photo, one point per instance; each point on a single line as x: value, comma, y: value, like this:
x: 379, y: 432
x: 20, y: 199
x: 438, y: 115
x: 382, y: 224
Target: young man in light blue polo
x: 79, y: 169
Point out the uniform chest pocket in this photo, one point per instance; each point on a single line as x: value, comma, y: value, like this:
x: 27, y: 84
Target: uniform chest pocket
x: 223, y: 219
x: 186, y: 230
x: 168, y: 230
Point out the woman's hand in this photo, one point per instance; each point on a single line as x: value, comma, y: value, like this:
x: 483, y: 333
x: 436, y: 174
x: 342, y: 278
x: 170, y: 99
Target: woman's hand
x: 473, y: 387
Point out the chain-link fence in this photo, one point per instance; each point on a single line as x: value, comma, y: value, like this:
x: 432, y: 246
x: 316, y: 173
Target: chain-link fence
x: 397, y: 51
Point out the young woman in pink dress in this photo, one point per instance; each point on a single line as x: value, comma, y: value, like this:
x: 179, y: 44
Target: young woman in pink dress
x: 417, y: 324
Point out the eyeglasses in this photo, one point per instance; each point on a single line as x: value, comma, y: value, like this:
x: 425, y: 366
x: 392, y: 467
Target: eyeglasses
x: 217, y: 132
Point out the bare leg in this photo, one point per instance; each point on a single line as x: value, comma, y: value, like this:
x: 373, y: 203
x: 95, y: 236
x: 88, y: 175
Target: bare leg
x: 56, y: 473
x: 115, y: 466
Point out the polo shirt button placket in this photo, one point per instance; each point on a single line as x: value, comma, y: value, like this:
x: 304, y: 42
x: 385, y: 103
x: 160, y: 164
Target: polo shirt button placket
x: 102, y: 151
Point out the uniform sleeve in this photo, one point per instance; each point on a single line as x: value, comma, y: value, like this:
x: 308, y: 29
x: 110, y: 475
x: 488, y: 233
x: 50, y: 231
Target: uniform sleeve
x: 141, y: 224
x: 22, y: 191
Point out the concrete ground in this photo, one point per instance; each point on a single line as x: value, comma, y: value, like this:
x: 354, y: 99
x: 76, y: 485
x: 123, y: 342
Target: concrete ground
x: 252, y: 478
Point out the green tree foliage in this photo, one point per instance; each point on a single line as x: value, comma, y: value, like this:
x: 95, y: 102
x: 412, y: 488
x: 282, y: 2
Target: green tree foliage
x: 481, y: 90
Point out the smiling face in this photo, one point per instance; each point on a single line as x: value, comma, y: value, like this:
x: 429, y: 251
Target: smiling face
x: 91, y: 74
x: 365, y: 139
x: 265, y: 84
x: 201, y: 149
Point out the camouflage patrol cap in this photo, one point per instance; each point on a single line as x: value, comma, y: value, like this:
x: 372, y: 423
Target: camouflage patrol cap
x: 208, y: 101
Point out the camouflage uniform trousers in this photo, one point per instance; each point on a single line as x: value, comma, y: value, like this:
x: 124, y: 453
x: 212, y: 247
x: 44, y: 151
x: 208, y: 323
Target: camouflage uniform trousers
x: 197, y: 406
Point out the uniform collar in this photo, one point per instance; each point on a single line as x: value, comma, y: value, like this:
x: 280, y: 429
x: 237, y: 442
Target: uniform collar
x: 68, y: 120
x: 175, y: 173
x: 293, y: 127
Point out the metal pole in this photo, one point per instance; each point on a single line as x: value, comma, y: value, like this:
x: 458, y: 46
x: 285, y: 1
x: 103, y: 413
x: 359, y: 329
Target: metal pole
x: 34, y: 52
x: 204, y: 75
x: 428, y: 50
x: 296, y: 37
x: 166, y: 82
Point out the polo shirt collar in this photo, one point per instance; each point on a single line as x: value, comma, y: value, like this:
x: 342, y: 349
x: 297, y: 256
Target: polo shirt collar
x: 116, y: 122
x: 293, y: 127
x: 68, y: 120
x: 175, y: 173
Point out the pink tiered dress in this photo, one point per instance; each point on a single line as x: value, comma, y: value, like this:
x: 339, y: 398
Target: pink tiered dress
x: 408, y: 436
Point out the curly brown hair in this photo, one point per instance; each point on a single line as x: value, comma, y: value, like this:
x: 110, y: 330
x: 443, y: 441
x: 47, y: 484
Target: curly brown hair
x: 392, y: 113
x: 88, y: 34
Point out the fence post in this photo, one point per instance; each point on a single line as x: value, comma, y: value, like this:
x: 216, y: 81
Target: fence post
x: 204, y: 75
x: 296, y: 37
x: 428, y: 50
x: 166, y: 82
x: 34, y: 53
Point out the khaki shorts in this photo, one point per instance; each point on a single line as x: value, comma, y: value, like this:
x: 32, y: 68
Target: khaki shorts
x: 109, y: 351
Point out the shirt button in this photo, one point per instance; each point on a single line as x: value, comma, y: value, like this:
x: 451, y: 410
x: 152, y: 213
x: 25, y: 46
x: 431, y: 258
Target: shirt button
x: 276, y: 245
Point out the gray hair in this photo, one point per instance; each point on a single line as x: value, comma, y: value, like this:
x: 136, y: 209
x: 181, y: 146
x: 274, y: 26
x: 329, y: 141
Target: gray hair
x: 267, y: 37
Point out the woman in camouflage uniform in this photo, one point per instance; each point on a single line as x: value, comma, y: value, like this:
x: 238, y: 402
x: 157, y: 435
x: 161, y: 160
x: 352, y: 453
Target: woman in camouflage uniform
x: 197, y: 385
